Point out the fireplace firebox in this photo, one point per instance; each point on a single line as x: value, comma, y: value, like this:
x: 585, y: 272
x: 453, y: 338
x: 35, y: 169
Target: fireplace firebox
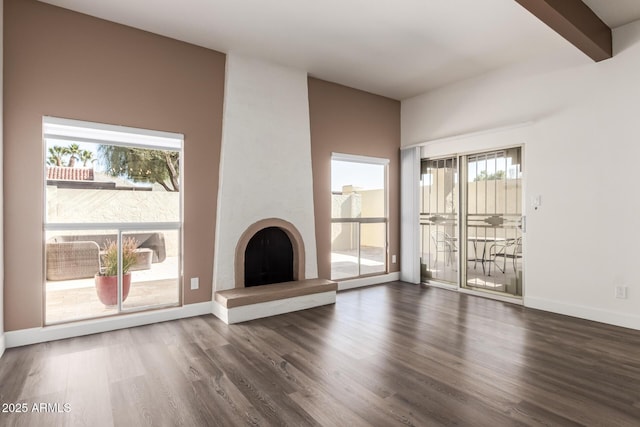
x: 260, y: 261
x: 268, y: 258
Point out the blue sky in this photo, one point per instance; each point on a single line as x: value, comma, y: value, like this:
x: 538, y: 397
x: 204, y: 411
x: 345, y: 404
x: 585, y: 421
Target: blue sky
x: 364, y: 175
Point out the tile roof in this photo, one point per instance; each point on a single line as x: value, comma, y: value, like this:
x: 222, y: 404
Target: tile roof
x: 64, y: 173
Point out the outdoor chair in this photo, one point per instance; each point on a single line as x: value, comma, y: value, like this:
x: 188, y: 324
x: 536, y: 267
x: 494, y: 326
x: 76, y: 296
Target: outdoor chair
x: 511, y: 248
x: 444, y: 243
x: 72, y: 260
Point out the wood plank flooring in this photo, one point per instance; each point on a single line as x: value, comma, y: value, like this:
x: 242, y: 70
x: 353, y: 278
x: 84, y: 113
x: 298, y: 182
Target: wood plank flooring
x: 395, y: 354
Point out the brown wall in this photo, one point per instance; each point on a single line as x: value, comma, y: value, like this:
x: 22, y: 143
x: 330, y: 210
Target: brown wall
x: 65, y: 64
x: 349, y: 121
x: 1, y: 187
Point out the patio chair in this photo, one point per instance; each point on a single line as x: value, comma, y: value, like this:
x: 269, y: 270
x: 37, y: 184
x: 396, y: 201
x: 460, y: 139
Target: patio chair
x: 444, y: 243
x: 511, y: 248
x: 72, y: 260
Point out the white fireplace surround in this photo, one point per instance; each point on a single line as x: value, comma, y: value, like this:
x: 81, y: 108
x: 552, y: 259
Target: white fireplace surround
x: 265, y: 164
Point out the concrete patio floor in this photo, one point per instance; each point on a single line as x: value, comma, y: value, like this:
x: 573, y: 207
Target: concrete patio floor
x: 69, y: 300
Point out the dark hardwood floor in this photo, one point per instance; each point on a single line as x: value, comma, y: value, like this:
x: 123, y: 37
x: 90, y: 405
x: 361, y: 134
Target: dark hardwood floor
x: 386, y: 355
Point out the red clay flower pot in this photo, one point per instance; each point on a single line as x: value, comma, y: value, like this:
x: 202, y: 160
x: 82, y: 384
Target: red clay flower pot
x: 107, y: 288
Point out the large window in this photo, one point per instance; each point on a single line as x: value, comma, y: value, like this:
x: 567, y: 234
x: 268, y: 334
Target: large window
x: 112, y: 221
x: 358, y: 216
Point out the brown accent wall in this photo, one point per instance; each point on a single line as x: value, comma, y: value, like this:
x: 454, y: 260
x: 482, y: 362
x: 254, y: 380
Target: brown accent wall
x: 65, y: 64
x: 1, y: 185
x: 350, y: 121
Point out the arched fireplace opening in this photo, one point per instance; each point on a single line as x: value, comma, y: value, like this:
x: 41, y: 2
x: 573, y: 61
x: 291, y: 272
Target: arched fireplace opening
x: 268, y: 258
x: 297, y: 268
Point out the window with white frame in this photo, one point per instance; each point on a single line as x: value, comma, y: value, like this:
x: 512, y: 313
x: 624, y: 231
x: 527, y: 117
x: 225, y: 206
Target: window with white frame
x: 112, y: 220
x: 358, y: 215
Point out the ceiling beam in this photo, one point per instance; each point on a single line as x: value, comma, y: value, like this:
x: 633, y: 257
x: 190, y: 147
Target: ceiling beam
x: 574, y: 21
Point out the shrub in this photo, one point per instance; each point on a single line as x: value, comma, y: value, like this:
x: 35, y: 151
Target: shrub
x: 109, y: 257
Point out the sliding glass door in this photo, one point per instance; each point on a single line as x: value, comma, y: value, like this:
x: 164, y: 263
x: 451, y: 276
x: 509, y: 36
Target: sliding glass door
x: 439, y: 220
x: 471, y: 221
x: 493, y: 209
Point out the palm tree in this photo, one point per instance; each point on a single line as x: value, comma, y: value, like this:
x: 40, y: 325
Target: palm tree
x: 74, y: 151
x: 86, y: 156
x: 56, y: 154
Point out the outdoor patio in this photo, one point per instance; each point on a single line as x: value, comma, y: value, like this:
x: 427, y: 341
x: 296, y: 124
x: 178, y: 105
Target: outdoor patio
x: 344, y: 264
x: 509, y: 281
x: 68, y: 300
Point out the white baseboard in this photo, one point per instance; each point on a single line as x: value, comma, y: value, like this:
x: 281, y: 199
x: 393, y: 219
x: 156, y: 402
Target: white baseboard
x: 368, y: 281
x: 590, y: 313
x: 2, y: 347
x: 94, y: 326
x: 272, y: 308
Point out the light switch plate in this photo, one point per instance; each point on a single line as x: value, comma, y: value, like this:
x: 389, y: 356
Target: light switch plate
x: 621, y: 292
x: 536, y: 201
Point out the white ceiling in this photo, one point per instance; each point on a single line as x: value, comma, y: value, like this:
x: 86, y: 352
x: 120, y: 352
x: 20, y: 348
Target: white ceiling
x: 615, y: 12
x: 396, y: 48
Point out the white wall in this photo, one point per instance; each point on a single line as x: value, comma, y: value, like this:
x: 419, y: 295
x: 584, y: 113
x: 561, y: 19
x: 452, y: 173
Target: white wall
x: 581, y: 154
x: 265, y: 165
x: 1, y: 187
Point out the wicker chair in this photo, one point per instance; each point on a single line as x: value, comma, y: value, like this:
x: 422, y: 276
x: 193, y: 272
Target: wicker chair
x: 72, y: 260
x: 79, y: 256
